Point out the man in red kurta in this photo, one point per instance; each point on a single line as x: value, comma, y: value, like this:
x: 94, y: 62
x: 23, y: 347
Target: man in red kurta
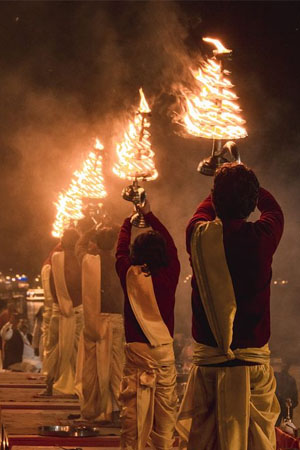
x: 231, y: 260
x: 149, y: 276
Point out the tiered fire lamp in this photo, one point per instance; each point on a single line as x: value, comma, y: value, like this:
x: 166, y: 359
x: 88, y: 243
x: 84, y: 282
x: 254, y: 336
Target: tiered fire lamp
x: 211, y: 111
x: 136, y: 160
x: 84, y: 197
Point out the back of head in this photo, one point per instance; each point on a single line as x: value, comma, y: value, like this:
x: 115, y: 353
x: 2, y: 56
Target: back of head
x: 84, y: 225
x: 69, y: 239
x: 235, y: 191
x: 149, y: 249
x: 106, y: 238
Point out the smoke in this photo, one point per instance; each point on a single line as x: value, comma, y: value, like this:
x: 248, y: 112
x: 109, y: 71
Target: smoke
x: 70, y: 71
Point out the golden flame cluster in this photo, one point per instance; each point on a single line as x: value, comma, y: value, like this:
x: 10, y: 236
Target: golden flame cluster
x: 135, y: 162
x: 88, y: 182
x: 135, y: 156
x: 210, y: 109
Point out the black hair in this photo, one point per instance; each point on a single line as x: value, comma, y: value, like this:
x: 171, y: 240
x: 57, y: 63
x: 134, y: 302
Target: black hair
x: 235, y: 191
x: 149, y: 250
x: 106, y: 238
x: 69, y: 238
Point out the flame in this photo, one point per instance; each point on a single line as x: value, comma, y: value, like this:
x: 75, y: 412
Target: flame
x: 219, y: 46
x: 98, y: 145
x: 211, y: 110
x: 85, y: 183
x: 144, y: 107
x: 134, y: 152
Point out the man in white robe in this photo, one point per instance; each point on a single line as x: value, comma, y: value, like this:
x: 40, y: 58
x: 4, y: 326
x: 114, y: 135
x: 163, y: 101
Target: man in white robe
x: 66, y: 318
x: 101, y: 353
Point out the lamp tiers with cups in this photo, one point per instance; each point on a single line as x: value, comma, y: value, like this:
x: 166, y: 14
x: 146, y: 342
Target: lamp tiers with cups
x: 209, y: 110
x: 135, y: 160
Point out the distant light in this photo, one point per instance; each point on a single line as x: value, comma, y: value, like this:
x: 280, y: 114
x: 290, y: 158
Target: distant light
x: 187, y: 278
x: 17, y: 19
x: 280, y: 282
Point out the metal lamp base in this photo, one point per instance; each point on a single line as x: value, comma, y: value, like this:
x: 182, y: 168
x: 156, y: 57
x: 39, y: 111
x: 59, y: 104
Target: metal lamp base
x: 138, y: 221
x: 220, y: 156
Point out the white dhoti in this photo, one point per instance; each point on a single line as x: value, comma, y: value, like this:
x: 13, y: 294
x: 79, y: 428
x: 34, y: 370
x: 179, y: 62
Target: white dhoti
x: 69, y: 333
x: 45, y: 278
x: 67, y: 323
x: 148, y: 391
x: 50, y: 359
x: 148, y: 397
x: 100, y: 367
x: 101, y: 353
x: 225, y: 408
x: 229, y: 408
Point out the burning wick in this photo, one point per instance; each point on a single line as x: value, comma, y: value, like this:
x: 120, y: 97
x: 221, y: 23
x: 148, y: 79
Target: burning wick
x: 86, y: 186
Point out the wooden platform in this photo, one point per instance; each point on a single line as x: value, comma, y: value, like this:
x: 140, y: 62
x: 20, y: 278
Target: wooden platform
x: 26, y: 447
x: 28, y: 398
x: 21, y: 380
x: 21, y: 428
x: 23, y: 411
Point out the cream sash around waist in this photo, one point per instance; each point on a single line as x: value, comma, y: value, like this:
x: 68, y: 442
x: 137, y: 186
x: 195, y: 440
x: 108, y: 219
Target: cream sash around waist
x: 203, y: 355
x: 144, y: 306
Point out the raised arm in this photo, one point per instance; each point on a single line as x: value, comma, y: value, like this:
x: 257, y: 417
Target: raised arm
x: 155, y: 223
x: 204, y: 213
x: 271, y: 220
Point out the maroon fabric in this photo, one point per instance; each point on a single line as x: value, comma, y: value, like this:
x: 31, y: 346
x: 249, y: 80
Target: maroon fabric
x: 285, y: 441
x: 249, y: 247
x: 164, y: 281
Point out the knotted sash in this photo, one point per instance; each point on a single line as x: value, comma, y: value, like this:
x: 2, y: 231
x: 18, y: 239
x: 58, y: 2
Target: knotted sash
x: 235, y: 399
x: 234, y: 406
x: 145, y: 365
x: 144, y: 306
x: 148, y: 396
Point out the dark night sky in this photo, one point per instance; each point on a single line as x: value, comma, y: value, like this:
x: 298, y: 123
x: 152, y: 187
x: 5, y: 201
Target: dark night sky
x: 70, y: 71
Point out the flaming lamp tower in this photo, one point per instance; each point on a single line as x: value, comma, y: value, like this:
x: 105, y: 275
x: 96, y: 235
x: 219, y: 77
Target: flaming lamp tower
x: 211, y: 110
x: 83, y: 198
x: 136, y: 160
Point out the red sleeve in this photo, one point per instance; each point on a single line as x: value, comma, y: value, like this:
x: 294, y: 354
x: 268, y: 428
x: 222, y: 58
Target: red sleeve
x: 153, y: 221
x: 204, y: 213
x: 271, y: 220
x: 123, y: 249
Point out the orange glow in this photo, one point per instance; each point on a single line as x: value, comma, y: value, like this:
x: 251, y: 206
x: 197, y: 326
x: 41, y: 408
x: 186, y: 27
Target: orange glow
x: 219, y: 46
x: 211, y: 110
x: 85, y: 183
x: 134, y: 153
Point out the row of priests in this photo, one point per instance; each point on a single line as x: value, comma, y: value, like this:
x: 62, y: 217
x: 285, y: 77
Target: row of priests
x: 83, y: 333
